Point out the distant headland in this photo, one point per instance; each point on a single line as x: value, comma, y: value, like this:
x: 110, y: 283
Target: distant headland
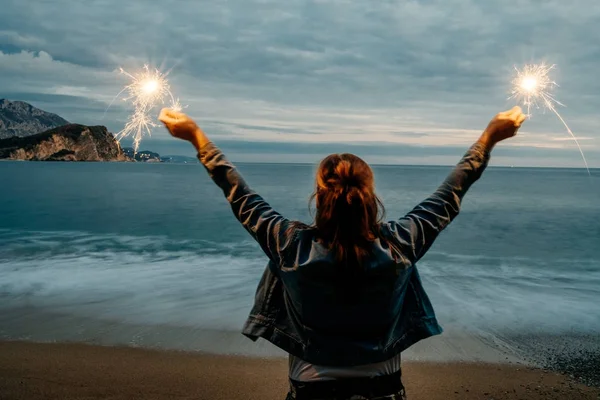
x: 28, y: 133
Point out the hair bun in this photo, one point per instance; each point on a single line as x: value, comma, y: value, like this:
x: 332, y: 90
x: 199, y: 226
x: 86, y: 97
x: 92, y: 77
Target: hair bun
x: 346, y: 176
x: 353, y: 194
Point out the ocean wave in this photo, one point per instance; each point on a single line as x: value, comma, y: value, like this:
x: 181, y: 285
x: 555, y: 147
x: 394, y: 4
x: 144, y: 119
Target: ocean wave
x: 159, y: 280
x: 514, y: 295
x: 20, y: 244
x: 140, y: 280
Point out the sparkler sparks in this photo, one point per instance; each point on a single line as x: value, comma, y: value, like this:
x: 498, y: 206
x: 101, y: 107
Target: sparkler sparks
x: 148, y: 89
x: 532, y: 86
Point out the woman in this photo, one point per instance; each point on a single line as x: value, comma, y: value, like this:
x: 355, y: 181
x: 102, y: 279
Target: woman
x: 343, y: 296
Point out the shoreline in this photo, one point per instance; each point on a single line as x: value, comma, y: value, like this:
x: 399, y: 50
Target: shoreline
x: 73, y: 370
x: 35, y: 324
x: 575, y: 355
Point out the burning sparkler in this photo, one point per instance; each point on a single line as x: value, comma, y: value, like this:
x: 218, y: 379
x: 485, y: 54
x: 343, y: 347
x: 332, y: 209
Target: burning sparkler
x: 532, y: 86
x: 148, y: 89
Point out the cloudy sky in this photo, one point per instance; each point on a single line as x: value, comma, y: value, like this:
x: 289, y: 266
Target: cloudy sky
x: 394, y: 81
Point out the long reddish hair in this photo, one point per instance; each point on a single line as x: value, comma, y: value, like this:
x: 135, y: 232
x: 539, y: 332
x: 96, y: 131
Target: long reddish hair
x: 348, y: 210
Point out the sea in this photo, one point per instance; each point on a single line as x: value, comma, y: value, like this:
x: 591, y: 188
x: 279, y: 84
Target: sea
x: 150, y: 255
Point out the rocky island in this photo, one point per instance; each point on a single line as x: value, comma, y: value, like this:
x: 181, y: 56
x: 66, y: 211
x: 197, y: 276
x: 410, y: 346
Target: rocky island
x: 28, y: 133
x: 70, y: 142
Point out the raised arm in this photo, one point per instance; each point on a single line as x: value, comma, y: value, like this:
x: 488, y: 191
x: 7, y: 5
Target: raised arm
x: 264, y: 224
x: 417, y: 231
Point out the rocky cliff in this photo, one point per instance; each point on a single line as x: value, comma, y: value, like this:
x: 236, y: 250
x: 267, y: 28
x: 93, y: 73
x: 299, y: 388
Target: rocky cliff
x: 67, y: 143
x: 18, y: 118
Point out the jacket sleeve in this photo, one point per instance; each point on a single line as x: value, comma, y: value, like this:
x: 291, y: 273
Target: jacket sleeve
x: 418, y: 229
x: 265, y: 225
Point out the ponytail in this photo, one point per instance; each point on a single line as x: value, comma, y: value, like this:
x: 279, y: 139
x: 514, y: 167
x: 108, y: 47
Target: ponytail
x: 348, y: 211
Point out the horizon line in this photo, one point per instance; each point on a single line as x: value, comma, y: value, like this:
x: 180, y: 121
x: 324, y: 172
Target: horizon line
x: 386, y: 165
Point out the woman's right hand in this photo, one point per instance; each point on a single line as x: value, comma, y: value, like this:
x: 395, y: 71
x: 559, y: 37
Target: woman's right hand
x: 183, y: 127
x: 504, y: 125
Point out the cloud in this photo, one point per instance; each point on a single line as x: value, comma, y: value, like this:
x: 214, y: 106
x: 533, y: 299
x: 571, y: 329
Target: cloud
x: 420, y: 73
x: 12, y: 38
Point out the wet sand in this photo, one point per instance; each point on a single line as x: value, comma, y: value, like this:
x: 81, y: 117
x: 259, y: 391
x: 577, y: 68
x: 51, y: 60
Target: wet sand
x: 77, y: 371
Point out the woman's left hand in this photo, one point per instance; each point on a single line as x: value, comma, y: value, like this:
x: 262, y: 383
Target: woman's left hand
x: 182, y: 127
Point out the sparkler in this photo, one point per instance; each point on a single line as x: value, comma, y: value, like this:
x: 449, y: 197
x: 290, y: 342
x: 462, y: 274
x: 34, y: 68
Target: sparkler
x: 532, y: 86
x: 148, y: 89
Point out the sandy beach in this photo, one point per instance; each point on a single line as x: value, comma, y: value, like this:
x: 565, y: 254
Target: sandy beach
x: 77, y: 371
